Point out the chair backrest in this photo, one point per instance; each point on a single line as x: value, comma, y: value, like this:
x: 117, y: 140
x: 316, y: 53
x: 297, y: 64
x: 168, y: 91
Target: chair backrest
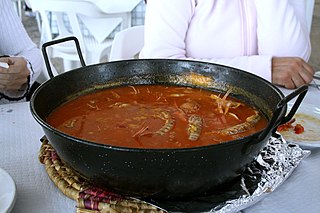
x: 309, y: 13
x: 127, y: 43
x: 83, y: 19
x: 74, y: 10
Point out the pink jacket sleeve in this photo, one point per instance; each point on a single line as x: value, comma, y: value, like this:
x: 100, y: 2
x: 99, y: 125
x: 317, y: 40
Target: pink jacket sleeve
x: 282, y: 28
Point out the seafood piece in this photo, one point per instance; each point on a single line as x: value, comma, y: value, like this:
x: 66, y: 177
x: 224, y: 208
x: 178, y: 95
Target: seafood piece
x: 239, y: 128
x: 233, y: 115
x: 223, y: 104
x: 115, y: 95
x: 194, y: 127
x: 135, y: 91
x: 70, y: 123
x: 169, y: 122
x: 119, y: 104
x: 93, y: 105
x: 159, y: 96
x: 177, y: 95
x: 179, y: 113
x: 190, y: 107
x: 141, y: 131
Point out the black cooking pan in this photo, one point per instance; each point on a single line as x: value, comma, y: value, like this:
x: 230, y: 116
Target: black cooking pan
x: 160, y: 173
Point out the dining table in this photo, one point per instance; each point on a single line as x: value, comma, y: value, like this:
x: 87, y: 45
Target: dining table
x: 20, y: 136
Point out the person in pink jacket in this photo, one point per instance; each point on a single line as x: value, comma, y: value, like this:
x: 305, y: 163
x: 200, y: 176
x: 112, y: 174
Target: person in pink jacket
x: 268, y: 38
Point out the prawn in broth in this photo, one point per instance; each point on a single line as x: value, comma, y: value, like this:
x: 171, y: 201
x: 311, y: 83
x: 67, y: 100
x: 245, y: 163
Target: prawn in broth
x: 157, y: 116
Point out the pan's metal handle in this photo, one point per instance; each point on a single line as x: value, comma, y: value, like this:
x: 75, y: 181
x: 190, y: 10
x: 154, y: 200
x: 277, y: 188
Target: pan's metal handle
x: 58, y: 41
x: 276, y: 119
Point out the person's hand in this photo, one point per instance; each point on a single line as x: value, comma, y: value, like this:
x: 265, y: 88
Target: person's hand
x: 14, y: 77
x: 291, y: 72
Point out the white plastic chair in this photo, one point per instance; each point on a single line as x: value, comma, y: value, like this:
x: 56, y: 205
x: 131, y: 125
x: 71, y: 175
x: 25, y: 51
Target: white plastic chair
x: 124, y: 7
x: 127, y: 43
x: 80, y: 15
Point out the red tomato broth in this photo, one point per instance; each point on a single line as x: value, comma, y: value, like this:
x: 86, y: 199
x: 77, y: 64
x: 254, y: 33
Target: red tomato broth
x: 130, y: 116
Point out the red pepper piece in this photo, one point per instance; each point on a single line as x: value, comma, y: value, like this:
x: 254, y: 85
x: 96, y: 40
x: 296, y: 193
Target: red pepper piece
x: 298, y: 129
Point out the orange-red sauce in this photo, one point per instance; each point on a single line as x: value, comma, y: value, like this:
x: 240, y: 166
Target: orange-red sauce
x: 151, y: 116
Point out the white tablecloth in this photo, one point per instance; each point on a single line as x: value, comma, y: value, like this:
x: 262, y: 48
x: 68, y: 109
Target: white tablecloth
x: 20, y: 145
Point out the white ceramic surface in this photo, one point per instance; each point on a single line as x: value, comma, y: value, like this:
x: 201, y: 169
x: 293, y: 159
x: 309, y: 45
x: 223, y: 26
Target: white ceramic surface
x: 7, y: 192
x: 308, y: 115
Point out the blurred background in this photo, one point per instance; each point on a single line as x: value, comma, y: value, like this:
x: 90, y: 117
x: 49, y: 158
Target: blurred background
x: 315, y: 36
